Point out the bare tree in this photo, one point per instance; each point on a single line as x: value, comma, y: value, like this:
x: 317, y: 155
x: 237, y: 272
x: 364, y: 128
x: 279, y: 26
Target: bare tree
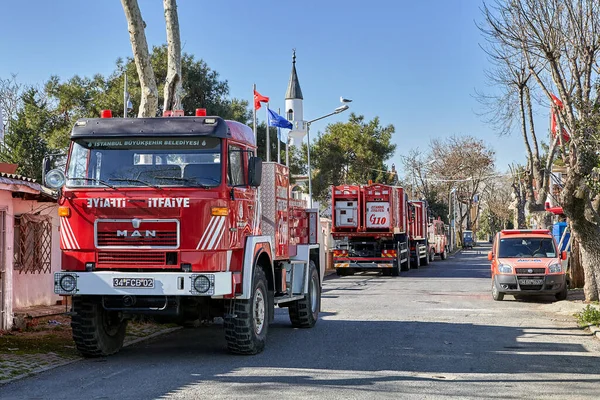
x: 463, y: 163
x: 10, y: 99
x: 563, y: 38
x: 139, y: 46
x: 497, y: 196
x: 173, y: 90
x: 519, y: 195
x: 512, y: 72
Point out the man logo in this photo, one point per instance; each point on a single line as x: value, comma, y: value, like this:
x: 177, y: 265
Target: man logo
x: 136, y: 234
x: 530, y: 271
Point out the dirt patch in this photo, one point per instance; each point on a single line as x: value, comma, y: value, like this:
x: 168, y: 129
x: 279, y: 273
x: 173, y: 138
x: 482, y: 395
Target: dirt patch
x: 42, y: 335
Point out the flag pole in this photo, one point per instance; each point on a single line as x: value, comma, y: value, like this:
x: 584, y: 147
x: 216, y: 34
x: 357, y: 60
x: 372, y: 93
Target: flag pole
x: 254, y: 116
x: 279, y: 140
x: 268, y: 136
x: 287, y: 153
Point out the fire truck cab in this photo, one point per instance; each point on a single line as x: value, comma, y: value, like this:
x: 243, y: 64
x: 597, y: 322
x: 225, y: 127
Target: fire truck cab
x: 177, y: 218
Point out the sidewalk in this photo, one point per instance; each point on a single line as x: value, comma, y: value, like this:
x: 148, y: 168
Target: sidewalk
x: 44, y: 341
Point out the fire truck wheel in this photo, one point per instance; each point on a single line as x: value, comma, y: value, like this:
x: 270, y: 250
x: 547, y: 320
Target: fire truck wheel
x: 246, y: 330
x: 96, y: 331
x: 444, y: 255
x: 416, y: 264
x: 304, y: 313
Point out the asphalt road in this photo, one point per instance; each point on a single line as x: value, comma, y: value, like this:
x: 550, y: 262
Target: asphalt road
x: 431, y: 333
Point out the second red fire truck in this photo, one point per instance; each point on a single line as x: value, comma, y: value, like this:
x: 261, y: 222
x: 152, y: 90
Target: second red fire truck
x: 376, y: 227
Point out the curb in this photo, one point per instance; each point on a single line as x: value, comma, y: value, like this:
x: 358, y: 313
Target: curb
x: 595, y: 330
x: 61, y: 364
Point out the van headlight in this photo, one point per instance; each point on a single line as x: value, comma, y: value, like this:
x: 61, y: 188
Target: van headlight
x: 555, y: 268
x: 505, y: 269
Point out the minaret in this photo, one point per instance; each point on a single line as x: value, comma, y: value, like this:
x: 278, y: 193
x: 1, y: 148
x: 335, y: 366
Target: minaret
x: 293, y: 106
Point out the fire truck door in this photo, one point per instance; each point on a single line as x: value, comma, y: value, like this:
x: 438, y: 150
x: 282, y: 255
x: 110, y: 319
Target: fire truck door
x: 241, y: 204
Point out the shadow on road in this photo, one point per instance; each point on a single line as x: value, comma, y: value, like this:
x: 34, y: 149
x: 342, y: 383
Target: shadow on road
x: 345, y: 351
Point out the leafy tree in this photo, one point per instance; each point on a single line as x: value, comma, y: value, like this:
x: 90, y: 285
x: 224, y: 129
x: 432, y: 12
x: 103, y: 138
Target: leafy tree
x: 24, y: 142
x: 352, y: 152
x: 80, y: 97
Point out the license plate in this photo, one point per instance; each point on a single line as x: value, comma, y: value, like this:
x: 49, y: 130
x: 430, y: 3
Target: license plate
x: 134, y: 283
x: 531, y: 281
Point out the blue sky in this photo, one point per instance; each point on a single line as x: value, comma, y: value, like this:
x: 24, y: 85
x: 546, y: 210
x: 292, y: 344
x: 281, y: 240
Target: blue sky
x: 415, y: 64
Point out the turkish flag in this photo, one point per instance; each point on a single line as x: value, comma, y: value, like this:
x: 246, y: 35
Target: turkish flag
x: 259, y: 98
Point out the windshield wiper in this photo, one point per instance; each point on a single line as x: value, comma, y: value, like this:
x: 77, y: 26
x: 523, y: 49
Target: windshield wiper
x: 93, y: 180
x: 135, y: 180
x: 190, y: 180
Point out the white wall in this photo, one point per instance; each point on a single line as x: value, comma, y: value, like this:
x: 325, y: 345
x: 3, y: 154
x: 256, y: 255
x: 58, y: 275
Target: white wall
x: 6, y: 315
x: 33, y: 289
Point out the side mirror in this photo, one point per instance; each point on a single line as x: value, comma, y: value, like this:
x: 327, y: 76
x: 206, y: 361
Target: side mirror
x: 254, y: 171
x: 490, y: 256
x: 45, y: 168
x: 563, y: 255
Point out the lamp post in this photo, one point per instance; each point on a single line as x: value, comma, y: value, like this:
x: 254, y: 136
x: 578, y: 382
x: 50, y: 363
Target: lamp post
x: 338, y: 110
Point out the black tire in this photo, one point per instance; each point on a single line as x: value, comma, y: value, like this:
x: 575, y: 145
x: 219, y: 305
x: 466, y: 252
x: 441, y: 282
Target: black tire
x: 444, y: 255
x: 246, y: 331
x: 496, y: 294
x: 563, y: 294
x: 417, y: 262
x: 426, y: 259
x: 432, y: 256
x: 406, y: 265
x: 96, y: 331
x: 304, y: 313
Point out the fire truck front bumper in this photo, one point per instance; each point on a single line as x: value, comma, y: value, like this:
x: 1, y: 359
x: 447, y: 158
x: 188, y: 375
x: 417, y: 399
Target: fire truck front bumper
x: 365, y: 264
x: 143, y: 283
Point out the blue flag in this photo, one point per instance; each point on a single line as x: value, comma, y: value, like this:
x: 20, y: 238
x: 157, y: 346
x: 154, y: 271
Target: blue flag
x: 277, y: 120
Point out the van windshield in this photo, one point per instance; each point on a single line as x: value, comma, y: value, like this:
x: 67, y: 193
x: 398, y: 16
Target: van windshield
x: 151, y: 161
x: 527, y: 248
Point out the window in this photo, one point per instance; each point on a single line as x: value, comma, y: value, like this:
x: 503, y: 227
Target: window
x: 33, y: 243
x: 153, y: 161
x: 526, y: 248
x: 235, y: 169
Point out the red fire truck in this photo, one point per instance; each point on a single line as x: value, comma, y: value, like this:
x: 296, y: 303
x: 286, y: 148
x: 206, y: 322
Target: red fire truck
x: 164, y: 217
x: 419, y: 242
x: 370, y: 229
x: 437, y: 239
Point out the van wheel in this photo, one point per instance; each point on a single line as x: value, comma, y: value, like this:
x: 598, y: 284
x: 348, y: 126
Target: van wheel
x: 562, y: 295
x: 496, y: 294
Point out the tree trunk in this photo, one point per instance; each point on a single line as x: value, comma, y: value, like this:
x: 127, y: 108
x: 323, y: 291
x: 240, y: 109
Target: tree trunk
x: 139, y: 46
x: 575, y: 266
x: 173, y: 85
x: 585, y: 232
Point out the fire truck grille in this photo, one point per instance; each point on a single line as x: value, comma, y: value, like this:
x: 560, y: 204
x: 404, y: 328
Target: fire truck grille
x: 167, y: 239
x: 137, y: 258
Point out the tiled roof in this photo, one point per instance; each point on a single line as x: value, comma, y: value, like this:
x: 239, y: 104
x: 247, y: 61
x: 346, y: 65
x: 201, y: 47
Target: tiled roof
x: 14, y: 179
x: 17, y: 177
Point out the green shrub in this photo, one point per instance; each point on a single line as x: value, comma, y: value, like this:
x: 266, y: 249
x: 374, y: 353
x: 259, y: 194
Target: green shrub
x: 589, y: 315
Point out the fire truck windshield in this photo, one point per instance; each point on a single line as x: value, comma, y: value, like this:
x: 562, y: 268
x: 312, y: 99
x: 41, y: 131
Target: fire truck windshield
x: 151, y: 161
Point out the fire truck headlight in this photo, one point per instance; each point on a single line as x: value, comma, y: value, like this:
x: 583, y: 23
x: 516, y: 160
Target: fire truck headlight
x: 65, y: 283
x: 55, y: 179
x: 202, y: 284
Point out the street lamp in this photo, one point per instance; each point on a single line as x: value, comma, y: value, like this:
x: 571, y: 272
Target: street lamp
x: 338, y: 110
